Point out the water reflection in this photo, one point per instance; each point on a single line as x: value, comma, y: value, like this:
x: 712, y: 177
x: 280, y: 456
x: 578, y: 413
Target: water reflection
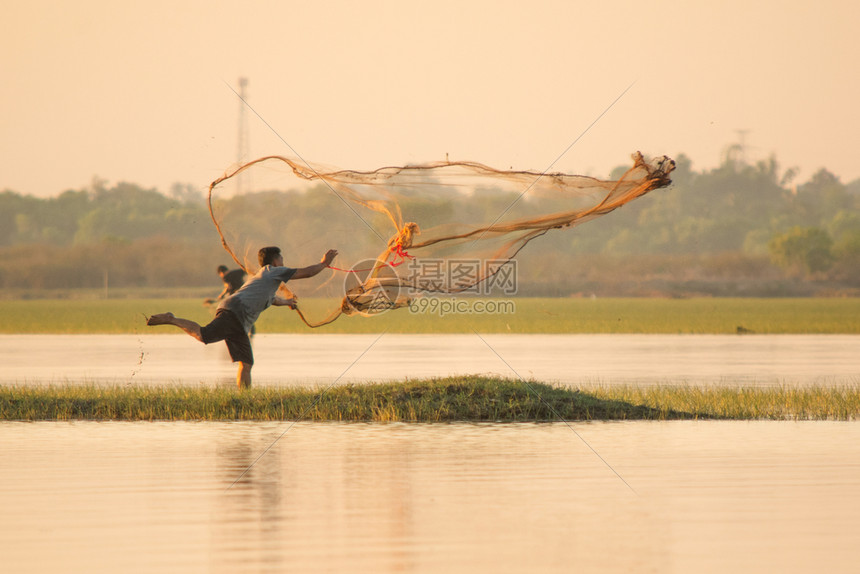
x: 710, y: 497
x: 322, y: 359
x: 393, y: 498
x: 248, y: 521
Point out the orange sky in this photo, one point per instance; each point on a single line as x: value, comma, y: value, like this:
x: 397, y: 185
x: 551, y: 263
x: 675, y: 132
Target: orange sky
x: 138, y: 91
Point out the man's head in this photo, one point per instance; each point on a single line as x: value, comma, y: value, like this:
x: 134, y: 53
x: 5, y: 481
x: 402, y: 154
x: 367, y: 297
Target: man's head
x: 268, y: 255
x: 222, y: 270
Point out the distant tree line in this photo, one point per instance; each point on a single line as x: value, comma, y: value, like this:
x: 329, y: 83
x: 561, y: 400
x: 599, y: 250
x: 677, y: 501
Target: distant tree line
x: 123, y: 235
x: 737, y: 229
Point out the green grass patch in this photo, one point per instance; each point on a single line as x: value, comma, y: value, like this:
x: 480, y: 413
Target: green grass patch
x: 529, y: 315
x: 468, y: 398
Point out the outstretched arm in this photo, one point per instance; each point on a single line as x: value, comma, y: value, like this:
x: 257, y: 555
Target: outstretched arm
x: 223, y: 292
x: 219, y: 297
x: 281, y: 302
x: 312, y: 270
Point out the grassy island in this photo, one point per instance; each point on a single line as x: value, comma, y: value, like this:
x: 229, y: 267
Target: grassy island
x: 467, y: 398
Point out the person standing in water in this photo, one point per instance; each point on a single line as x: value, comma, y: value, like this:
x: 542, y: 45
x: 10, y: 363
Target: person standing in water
x: 233, y: 281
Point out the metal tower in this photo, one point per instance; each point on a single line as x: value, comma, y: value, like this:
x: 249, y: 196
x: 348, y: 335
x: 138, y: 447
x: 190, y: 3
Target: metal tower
x: 742, y: 145
x: 242, y: 141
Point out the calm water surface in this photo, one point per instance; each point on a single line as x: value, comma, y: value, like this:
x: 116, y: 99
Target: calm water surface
x: 172, y: 497
x: 323, y: 359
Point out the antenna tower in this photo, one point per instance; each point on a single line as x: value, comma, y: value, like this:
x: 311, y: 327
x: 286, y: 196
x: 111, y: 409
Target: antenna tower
x: 242, y: 142
x: 742, y: 145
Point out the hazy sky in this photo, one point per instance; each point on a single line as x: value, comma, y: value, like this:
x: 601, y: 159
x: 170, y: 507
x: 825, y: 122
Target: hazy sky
x: 138, y: 91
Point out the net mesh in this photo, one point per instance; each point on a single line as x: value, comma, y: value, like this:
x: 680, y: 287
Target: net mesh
x: 404, y: 232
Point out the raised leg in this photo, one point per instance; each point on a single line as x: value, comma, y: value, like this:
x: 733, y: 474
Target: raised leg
x: 186, y: 325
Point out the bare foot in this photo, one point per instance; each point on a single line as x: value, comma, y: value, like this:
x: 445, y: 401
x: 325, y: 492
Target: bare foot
x: 160, y: 319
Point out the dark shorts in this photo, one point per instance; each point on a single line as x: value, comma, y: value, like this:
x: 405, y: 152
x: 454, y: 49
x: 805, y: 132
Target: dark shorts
x: 227, y: 327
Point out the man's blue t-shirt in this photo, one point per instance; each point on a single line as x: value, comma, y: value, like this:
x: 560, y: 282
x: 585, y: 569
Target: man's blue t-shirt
x: 257, y: 294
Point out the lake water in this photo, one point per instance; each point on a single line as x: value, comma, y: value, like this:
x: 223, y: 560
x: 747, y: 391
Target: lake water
x: 325, y: 497
x: 681, y: 496
x: 322, y: 359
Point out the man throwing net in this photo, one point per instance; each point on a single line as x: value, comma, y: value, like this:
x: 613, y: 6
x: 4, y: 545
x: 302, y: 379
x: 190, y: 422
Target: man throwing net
x: 237, y: 314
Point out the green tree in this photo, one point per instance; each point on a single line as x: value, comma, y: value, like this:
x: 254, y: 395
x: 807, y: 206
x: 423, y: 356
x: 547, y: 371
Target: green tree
x: 821, y: 198
x: 802, y: 250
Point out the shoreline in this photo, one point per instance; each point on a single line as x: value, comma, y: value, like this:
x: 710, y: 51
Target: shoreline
x: 522, y: 315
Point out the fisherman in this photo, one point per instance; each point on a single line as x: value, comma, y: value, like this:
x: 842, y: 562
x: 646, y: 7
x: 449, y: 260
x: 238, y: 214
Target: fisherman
x: 233, y: 280
x: 237, y: 313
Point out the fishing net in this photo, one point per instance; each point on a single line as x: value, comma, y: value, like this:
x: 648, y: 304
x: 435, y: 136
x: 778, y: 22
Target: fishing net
x: 406, y: 232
